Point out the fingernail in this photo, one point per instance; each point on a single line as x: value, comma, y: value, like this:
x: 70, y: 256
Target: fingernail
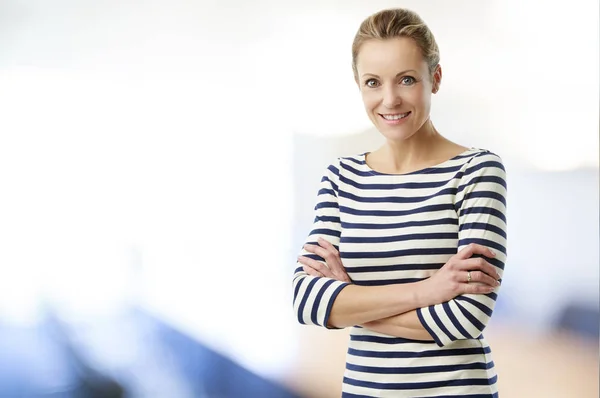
x: 493, y: 252
x: 498, y: 283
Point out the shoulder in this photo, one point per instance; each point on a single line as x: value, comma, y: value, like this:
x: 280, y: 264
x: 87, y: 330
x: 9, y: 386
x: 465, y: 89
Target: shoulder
x: 482, y: 159
x: 483, y: 170
x: 346, y: 163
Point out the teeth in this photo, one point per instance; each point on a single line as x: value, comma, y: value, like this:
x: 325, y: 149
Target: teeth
x: 395, y: 117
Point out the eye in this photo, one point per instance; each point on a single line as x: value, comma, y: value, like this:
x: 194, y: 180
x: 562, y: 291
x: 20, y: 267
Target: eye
x: 408, y: 80
x: 372, y: 83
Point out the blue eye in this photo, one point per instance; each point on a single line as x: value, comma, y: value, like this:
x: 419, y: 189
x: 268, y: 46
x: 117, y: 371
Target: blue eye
x: 372, y: 83
x: 408, y: 80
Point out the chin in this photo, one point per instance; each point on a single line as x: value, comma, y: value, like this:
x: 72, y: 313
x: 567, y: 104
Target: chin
x: 396, y: 133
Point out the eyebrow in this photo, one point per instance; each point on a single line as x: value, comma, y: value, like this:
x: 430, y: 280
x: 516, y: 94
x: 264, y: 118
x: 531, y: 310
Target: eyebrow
x: 399, y: 74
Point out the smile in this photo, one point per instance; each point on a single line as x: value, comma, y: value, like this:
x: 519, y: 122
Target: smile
x: 395, y: 116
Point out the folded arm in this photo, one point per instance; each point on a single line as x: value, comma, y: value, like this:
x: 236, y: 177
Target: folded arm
x: 333, y: 302
x: 324, y: 295
x: 406, y: 325
x: 481, y: 208
x: 482, y: 221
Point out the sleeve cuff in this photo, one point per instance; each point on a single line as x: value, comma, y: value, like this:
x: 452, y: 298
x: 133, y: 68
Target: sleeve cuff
x: 439, y: 338
x: 336, y: 291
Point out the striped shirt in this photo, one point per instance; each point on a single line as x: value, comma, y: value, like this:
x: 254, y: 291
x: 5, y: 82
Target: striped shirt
x: 401, y: 228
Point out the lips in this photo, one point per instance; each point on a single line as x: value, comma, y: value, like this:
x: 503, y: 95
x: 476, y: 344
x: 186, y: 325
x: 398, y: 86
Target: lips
x: 394, y: 116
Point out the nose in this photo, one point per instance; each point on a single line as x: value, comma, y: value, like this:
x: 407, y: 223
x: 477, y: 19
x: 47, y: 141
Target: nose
x: 391, y: 97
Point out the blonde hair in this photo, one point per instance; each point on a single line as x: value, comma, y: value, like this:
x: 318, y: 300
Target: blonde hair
x: 393, y: 23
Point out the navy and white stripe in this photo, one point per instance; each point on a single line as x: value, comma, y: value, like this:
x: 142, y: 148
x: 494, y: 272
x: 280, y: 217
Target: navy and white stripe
x: 313, y: 297
x: 401, y: 228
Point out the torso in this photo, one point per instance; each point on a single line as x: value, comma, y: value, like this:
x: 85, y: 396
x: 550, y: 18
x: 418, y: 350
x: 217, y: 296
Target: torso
x: 401, y: 228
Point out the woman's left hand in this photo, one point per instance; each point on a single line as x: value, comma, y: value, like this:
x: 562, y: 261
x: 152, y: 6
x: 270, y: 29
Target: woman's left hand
x: 334, y: 268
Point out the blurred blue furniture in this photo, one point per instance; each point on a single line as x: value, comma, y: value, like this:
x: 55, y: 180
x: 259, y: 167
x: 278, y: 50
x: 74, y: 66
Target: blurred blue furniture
x: 43, y: 361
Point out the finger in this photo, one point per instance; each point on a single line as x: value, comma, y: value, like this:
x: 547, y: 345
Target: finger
x: 477, y: 289
x: 479, y: 264
x: 330, y: 258
x: 316, y: 265
x: 334, y: 256
x: 482, y: 277
x: 474, y: 248
x: 311, y: 271
x: 310, y: 248
x: 343, y: 277
x: 314, y: 249
x: 327, y: 245
x: 335, y: 267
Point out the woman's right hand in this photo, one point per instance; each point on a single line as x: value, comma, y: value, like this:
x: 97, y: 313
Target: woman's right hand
x: 453, y: 278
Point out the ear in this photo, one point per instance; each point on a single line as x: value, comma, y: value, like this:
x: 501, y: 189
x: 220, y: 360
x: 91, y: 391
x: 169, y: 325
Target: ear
x: 436, y: 79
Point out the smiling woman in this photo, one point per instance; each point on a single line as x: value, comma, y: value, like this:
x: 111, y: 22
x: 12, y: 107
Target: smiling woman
x: 409, y: 241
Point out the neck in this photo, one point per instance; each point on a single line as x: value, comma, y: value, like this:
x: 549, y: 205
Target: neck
x: 419, y: 148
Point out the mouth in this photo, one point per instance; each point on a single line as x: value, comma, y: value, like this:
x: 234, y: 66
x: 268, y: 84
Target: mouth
x: 392, y: 117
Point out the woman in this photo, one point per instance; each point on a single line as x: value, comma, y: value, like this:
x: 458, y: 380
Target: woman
x: 409, y: 241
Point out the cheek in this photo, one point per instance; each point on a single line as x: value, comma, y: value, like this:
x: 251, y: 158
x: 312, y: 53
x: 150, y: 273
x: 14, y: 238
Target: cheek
x: 421, y: 98
x: 426, y: 101
x: 370, y: 99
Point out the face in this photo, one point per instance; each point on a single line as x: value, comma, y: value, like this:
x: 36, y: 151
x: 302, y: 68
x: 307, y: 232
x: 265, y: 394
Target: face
x: 396, y: 86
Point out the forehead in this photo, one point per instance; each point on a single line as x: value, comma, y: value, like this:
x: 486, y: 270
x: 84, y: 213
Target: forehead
x: 393, y: 55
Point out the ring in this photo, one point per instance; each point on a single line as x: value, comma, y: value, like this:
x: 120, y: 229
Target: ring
x: 469, y: 277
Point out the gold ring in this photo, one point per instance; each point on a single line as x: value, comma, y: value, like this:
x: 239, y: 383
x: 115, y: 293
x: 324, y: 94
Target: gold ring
x: 469, y: 277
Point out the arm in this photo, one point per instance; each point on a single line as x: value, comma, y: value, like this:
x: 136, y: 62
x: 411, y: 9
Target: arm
x: 482, y: 221
x: 447, y: 283
x: 324, y: 296
x: 333, y: 303
x: 481, y: 209
x: 405, y: 325
x: 361, y: 304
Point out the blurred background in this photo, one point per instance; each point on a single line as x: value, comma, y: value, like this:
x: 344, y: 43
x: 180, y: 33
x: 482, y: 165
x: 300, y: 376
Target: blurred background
x: 159, y: 162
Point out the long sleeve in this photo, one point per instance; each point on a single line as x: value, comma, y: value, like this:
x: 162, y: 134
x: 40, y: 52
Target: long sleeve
x: 313, y: 296
x: 481, y: 208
